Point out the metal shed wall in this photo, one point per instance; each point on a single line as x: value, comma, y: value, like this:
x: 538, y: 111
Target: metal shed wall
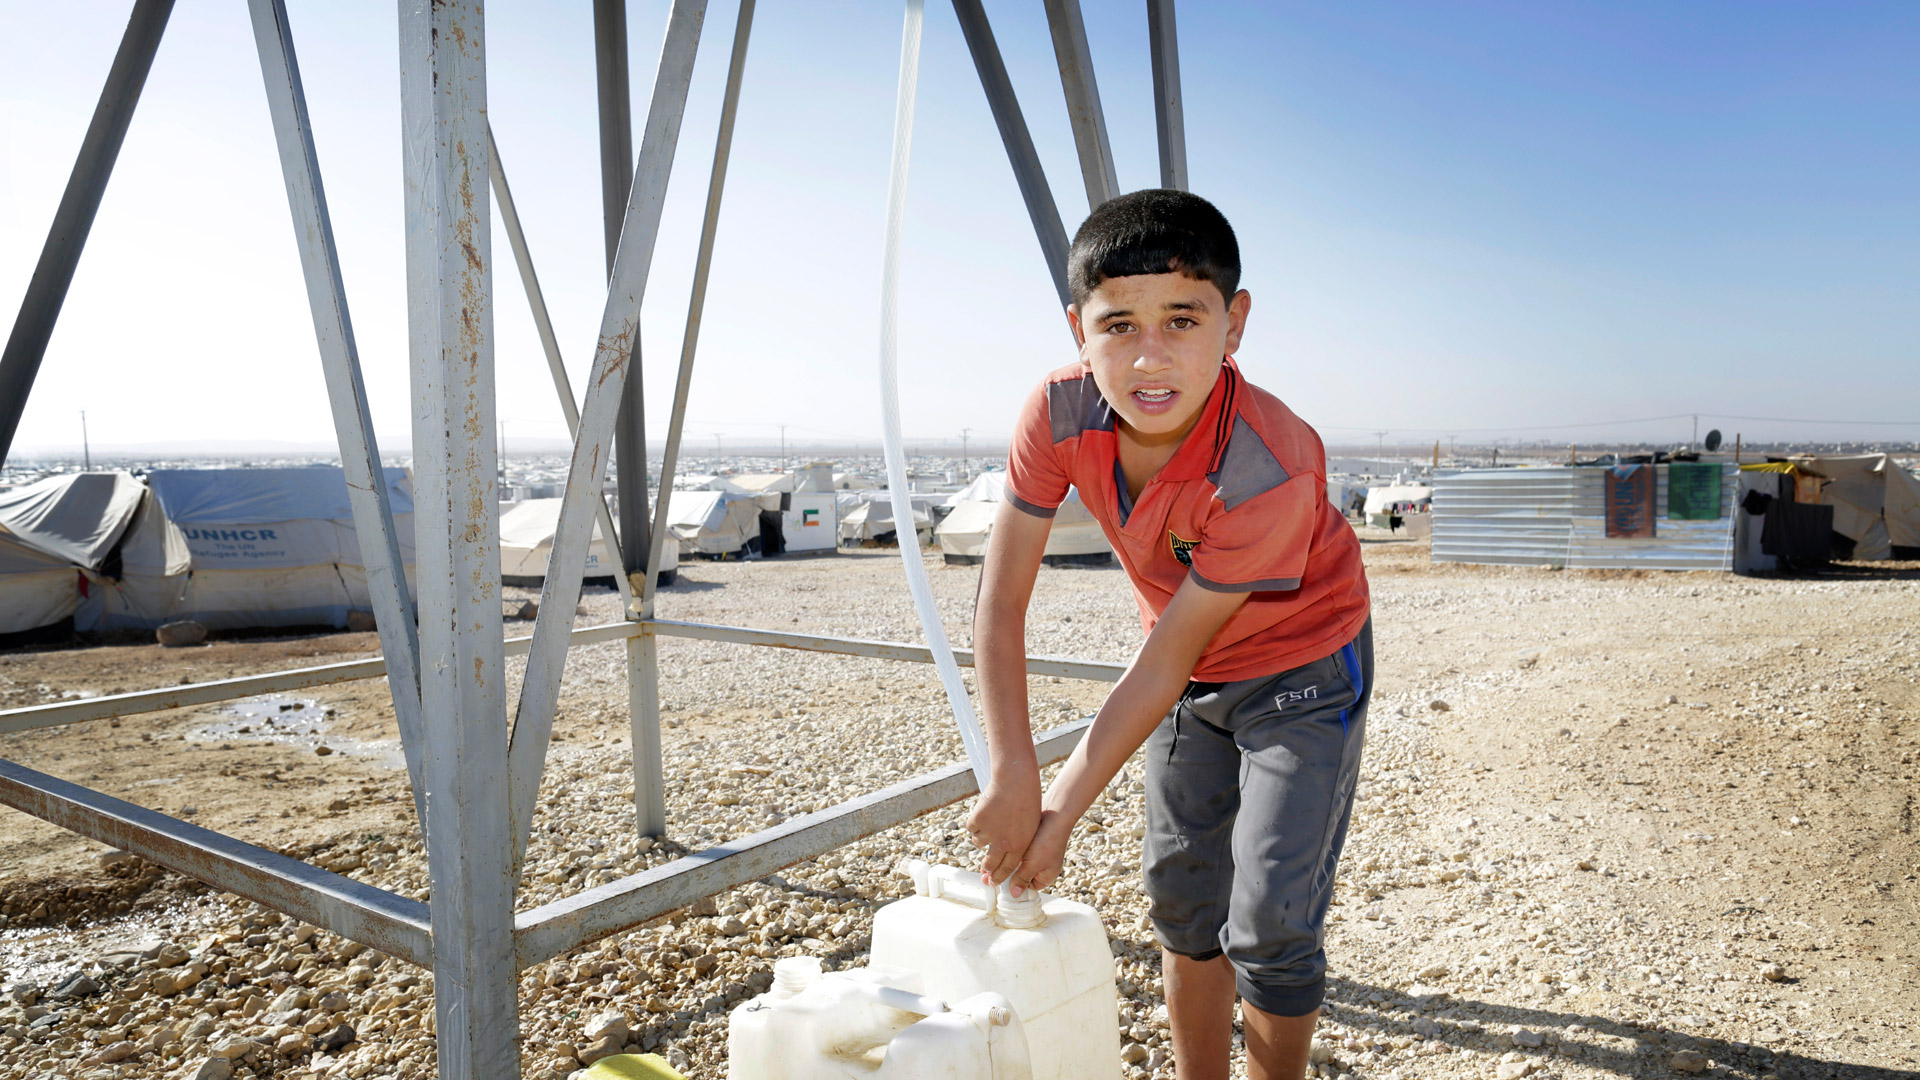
x: 1554, y: 517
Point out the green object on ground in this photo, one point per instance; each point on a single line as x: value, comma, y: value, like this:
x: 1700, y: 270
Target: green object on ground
x: 633, y: 1067
x: 1693, y: 491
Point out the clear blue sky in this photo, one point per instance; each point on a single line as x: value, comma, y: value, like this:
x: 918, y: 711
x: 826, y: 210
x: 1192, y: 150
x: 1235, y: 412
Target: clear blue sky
x: 1454, y: 217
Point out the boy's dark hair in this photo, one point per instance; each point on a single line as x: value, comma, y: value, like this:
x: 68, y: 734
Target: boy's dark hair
x: 1155, y: 231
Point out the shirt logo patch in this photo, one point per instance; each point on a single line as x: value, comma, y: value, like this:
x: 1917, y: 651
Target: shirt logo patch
x: 1182, y: 549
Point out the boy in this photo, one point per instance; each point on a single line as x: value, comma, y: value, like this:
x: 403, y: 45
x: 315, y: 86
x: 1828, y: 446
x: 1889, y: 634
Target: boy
x: 1251, y: 690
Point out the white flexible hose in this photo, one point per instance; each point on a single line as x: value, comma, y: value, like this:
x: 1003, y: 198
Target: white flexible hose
x: 904, y: 529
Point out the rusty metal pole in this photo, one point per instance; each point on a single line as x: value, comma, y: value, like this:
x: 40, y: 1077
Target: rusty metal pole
x: 73, y: 219
x: 443, y: 90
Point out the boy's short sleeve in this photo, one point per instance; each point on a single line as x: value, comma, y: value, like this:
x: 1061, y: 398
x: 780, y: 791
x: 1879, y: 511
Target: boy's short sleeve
x: 1036, y: 482
x: 1260, y: 545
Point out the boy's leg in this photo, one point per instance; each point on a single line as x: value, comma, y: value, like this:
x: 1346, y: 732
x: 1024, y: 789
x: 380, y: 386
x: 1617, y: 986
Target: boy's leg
x: 1199, y: 1014
x: 1193, y: 793
x: 1277, y: 1046
x: 1300, y: 736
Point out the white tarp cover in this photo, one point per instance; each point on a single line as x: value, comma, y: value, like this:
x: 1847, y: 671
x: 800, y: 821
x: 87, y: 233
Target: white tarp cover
x: 526, y: 542
x: 963, y: 532
x: 256, y: 519
x: 706, y: 483
x: 50, y: 531
x: 1876, y: 503
x: 868, y: 514
x: 264, y: 547
x: 76, y: 518
x: 713, y: 522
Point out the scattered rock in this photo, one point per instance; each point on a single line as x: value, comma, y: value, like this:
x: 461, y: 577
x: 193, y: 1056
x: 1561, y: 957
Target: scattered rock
x: 1533, y: 1040
x: 322, y: 751
x: 1514, y: 1070
x: 112, y: 1052
x: 1773, y: 973
x: 330, y: 1041
x: 608, y: 1025
x: 1688, y: 1061
x: 213, y: 1068
x: 180, y: 633
x: 360, y: 622
x: 519, y: 609
x: 1437, y: 705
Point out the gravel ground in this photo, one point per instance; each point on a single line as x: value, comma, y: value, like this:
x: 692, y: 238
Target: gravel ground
x: 1615, y: 823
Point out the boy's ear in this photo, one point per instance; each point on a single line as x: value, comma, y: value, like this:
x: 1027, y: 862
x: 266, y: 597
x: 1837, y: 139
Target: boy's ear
x: 1237, y: 309
x: 1073, y: 323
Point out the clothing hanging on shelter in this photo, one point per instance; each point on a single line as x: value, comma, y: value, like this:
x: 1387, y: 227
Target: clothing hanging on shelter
x: 1797, y: 530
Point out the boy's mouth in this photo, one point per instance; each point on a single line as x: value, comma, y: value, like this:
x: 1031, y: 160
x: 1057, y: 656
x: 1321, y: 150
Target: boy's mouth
x: 1154, y: 396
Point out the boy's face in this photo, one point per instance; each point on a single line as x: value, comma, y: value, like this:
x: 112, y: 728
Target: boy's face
x: 1155, y: 343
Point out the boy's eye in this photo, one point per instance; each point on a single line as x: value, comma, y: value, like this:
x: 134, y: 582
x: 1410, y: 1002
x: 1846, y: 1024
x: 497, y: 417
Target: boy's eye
x: 1182, y: 322
x: 1119, y: 328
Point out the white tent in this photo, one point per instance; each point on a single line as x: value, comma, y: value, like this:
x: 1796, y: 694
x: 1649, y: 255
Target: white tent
x: 714, y: 522
x: 264, y: 547
x: 1876, y: 503
x: 707, y: 483
x: 51, y: 531
x: 1386, y: 500
x: 1074, y: 538
x: 868, y: 516
x: 526, y: 545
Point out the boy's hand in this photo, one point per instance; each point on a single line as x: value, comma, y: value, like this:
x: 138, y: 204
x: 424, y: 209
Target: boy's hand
x: 1041, y: 863
x: 1002, y: 824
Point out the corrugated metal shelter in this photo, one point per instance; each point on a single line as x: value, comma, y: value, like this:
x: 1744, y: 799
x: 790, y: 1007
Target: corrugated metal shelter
x: 1555, y: 517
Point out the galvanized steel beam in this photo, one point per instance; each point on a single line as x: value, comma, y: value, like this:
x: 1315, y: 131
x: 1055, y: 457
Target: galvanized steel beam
x: 1041, y: 209
x: 346, y: 391
x: 374, y: 917
x: 457, y: 548
x: 107, y: 706
x: 549, y: 342
x: 1089, y: 670
x: 73, y: 219
x: 616, y: 184
x: 1169, y: 116
x: 619, y: 332
x: 56, y: 714
x: 552, y: 929
x: 1075, y: 59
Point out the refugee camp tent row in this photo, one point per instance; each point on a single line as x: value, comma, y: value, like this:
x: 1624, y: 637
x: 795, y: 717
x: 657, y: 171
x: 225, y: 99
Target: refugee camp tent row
x: 866, y: 516
x: 527, y: 530
x: 1074, y: 538
x: 1561, y: 516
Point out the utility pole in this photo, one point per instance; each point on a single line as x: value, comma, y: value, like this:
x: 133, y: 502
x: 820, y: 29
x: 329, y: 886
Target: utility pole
x: 964, y: 432
x: 86, y: 449
x: 1696, y: 431
x: 783, y: 446
x: 1379, y: 448
x: 1450, y: 453
x: 717, y: 452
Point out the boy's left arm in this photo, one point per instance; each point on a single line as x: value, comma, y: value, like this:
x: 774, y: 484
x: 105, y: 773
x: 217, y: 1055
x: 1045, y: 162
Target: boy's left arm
x: 1139, y: 701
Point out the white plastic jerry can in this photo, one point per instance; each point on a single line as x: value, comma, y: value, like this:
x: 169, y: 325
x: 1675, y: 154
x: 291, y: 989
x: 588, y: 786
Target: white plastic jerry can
x: 1048, y: 956
x: 870, y: 1024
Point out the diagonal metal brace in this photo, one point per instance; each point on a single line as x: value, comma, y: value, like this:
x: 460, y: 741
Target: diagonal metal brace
x: 619, y: 333
x: 346, y: 391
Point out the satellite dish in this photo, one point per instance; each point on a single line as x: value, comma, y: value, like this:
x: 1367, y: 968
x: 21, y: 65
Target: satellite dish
x: 1713, y: 440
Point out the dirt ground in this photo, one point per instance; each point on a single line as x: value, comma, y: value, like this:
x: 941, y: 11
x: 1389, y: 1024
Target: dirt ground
x: 1684, y: 801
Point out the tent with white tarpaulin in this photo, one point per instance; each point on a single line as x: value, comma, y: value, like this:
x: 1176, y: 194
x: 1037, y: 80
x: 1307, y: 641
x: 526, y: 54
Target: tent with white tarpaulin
x: 526, y: 546
x: 1876, y: 503
x: 716, y: 522
x: 1074, y: 537
x: 1386, y: 501
x: 867, y: 516
x: 263, y: 547
x: 51, y: 532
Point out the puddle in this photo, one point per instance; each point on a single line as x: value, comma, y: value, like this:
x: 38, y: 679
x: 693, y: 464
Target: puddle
x: 294, y: 721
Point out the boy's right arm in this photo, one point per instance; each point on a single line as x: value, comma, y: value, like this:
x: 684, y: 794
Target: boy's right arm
x: 1005, y: 817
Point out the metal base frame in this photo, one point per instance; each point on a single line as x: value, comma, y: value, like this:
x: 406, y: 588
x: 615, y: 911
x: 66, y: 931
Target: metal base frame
x: 475, y: 777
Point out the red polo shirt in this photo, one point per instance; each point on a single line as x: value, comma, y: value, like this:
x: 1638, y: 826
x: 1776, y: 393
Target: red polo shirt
x: 1241, y: 507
